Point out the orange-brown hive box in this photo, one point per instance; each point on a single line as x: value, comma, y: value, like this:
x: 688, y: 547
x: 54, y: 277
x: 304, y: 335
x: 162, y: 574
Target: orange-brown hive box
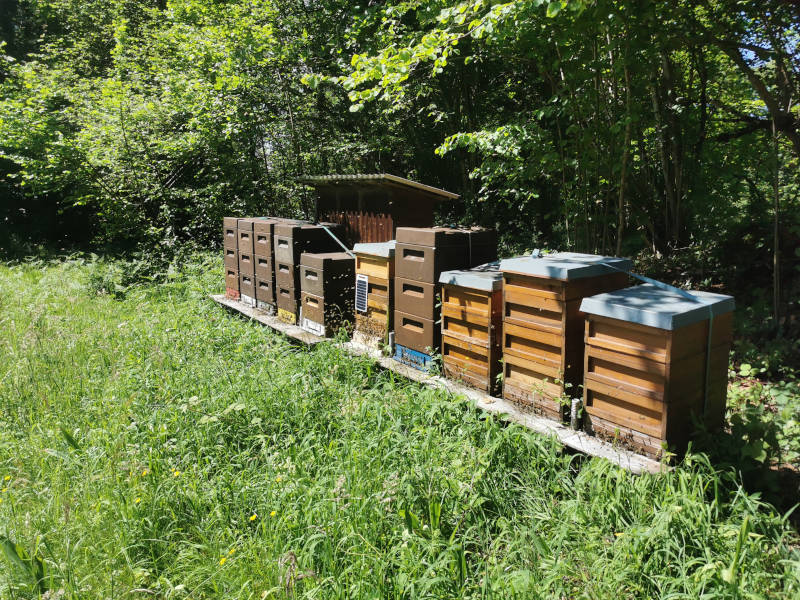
x: 650, y: 372
x: 543, y: 326
x: 472, y: 321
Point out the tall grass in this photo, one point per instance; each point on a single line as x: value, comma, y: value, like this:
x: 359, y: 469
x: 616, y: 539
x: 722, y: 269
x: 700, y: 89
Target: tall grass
x: 152, y: 445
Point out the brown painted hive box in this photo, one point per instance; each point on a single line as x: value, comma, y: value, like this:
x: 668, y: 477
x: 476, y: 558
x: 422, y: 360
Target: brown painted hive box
x: 288, y: 304
x: 327, y: 316
x: 472, y: 322
x: 230, y: 232
x: 265, y: 290
x: 245, y: 235
x: 291, y: 240
x: 327, y: 274
x: 287, y: 275
x: 481, y: 246
x: 426, y: 263
x: 264, y: 268
x: 649, y: 371
x: 247, y: 288
x: 417, y: 298
x: 232, y: 283
x: 231, y: 257
x: 247, y: 263
x: 411, y: 331
x: 543, y: 325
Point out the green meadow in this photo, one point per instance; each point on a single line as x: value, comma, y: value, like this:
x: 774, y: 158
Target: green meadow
x: 153, y: 445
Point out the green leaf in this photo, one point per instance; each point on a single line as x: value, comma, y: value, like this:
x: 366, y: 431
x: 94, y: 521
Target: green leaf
x: 553, y: 9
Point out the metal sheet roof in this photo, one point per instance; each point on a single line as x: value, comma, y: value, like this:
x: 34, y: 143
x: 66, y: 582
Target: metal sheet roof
x: 565, y: 265
x: 377, y: 179
x: 649, y: 305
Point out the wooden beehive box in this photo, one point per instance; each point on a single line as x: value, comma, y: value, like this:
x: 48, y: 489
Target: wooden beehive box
x: 472, y: 315
x: 543, y: 326
x: 327, y: 283
x: 374, y: 292
x: 649, y: 371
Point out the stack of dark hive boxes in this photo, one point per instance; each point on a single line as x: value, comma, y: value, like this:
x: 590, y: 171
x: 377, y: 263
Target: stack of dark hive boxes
x: 290, y: 241
x: 327, y: 283
x: 421, y: 255
x: 543, y: 326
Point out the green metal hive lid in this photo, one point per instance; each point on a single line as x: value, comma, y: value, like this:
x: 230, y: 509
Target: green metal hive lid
x: 382, y: 249
x: 653, y: 306
x: 565, y: 265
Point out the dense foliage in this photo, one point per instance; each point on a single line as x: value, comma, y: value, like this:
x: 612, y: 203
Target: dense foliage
x: 137, y: 461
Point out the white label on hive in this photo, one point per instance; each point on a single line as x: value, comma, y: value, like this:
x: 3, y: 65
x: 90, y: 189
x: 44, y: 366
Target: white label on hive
x: 314, y: 327
x: 248, y: 300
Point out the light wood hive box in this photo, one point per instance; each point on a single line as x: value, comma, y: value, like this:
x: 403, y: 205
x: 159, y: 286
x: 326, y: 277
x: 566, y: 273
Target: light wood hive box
x: 376, y: 262
x: 543, y: 326
x: 645, y: 366
x: 472, y: 317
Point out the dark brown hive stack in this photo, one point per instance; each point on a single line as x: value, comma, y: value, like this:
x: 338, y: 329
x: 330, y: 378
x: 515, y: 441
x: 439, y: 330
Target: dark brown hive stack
x: 421, y: 254
x: 290, y: 241
x: 327, y: 283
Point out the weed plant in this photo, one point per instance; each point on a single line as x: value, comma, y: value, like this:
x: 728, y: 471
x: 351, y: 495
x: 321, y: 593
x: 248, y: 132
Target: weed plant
x: 153, y: 445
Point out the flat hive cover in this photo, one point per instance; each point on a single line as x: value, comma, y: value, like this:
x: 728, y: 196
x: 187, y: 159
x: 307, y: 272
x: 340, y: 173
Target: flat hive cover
x: 655, y: 307
x: 486, y: 277
x: 565, y: 265
x: 382, y: 249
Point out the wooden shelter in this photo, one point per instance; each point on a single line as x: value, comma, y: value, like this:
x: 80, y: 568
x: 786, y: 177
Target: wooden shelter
x: 372, y: 206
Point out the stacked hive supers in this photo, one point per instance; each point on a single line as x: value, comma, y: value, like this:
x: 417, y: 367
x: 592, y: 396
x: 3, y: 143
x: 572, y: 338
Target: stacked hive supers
x: 230, y: 236
x: 327, y: 283
x: 543, y: 327
x: 290, y: 241
x: 650, y: 371
x: 472, y: 316
x: 247, y: 271
x: 375, y: 285
x: 421, y: 255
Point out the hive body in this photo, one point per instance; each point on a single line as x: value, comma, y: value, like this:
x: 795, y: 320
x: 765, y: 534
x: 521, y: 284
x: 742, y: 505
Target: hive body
x: 543, y: 326
x: 375, y: 276
x: 647, y: 355
x: 471, y: 315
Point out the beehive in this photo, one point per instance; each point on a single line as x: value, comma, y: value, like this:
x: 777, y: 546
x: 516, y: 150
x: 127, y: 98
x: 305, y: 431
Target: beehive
x: 291, y: 239
x: 374, y: 289
x: 481, y: 246
x: 327, y: 284
x: 420, y: 257
x: 649, y: 370
x: 472, y: 317
x: 543, y: 326
x: 230, y: 245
